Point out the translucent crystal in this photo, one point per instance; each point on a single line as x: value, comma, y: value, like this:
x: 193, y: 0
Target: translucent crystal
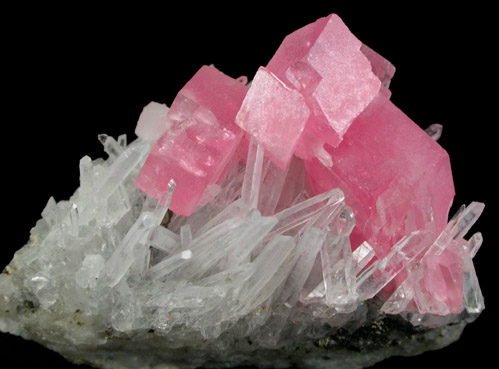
x: 377, y: 276
x: 253, y: 175
x: 201, y: 141
x: 153, y: 122
x: 444, y: 275
x: 338, y: 266
x: 91, y: 269
x: 362, y: 256
x: 296, y: 220
x: 383, y: 191
x: 275, y: 115
x: 136, y: 238
x: 434, y: 131
x: 472, y: 294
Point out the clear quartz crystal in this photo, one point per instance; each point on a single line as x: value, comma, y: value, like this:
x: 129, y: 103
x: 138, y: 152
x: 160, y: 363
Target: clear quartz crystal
x: 271, y: 188
x: 299, y: 214
x: 472, y: 294
x: 338, y: 264
x: 122, y: 167
x: 91, y: 270
x: 362, y: 256
x: 434, y: 131
x: 265, y: 253
x: 261, y: 250
x: 111, y: 146
x: 136, y: 238
x: 253, y: 175
x: 380, y: 273
x: 450, y: 238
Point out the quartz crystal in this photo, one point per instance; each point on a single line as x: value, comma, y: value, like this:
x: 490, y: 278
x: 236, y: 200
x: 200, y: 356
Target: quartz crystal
x: 274, y: 223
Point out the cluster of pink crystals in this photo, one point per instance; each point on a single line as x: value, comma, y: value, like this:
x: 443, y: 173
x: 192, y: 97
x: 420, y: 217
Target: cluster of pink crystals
x: 323, y: 100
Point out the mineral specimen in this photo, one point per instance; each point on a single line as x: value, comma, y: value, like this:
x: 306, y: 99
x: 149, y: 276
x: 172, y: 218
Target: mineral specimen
x: 202, y: 139
x: 301, y: 219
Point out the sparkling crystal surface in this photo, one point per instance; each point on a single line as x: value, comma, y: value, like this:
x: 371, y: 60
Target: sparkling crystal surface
x: 271, y: 224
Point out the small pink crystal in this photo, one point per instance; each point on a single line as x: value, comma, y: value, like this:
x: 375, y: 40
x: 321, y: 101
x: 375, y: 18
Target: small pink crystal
x: 153, y: 122
x: 203, y: 138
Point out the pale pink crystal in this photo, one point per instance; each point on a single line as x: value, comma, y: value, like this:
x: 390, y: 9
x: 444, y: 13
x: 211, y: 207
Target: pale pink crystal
x: 441, y: 286
x: 203, y: 138
x: 153, y: 122
x: 275, y: 115
x: 381, y: 67
x: 385, y: 164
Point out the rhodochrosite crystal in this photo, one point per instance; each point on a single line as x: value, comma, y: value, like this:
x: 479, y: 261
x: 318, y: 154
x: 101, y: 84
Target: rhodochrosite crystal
x: 298, y: 220
x: 324, y: 61
x: 200, y: 143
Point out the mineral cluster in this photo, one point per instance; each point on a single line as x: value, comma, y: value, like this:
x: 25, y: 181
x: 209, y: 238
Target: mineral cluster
x: 274, y: 223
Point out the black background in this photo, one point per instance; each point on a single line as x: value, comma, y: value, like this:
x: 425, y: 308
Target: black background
x: 71, y: 74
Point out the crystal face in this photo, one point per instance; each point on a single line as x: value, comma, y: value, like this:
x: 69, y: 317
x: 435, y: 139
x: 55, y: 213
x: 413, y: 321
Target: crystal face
x: 277, y: 236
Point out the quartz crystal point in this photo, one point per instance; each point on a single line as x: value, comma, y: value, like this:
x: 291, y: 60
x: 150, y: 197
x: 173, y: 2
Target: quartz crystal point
x: 302, y: 221
x: 435, y: 283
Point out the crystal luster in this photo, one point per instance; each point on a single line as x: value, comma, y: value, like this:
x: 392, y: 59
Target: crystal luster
x: 255, y: 224
x: 203, y: 137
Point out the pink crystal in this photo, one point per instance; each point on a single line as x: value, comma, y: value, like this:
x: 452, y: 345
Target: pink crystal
x: 384, y: 164
x: 275, y: 115
x: 381, y: 67
x: 319, y: 118
x: 203, y: 138
x: 324, y: 61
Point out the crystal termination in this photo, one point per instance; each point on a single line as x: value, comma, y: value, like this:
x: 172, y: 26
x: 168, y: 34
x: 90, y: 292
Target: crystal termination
x: 271, y: 223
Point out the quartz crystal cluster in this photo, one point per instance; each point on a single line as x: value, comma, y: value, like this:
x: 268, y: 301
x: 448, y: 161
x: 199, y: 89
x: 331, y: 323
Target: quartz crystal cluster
x: 262, y: 223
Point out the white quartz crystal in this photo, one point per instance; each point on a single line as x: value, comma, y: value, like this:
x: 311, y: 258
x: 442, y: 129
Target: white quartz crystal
x: 112, y: 279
